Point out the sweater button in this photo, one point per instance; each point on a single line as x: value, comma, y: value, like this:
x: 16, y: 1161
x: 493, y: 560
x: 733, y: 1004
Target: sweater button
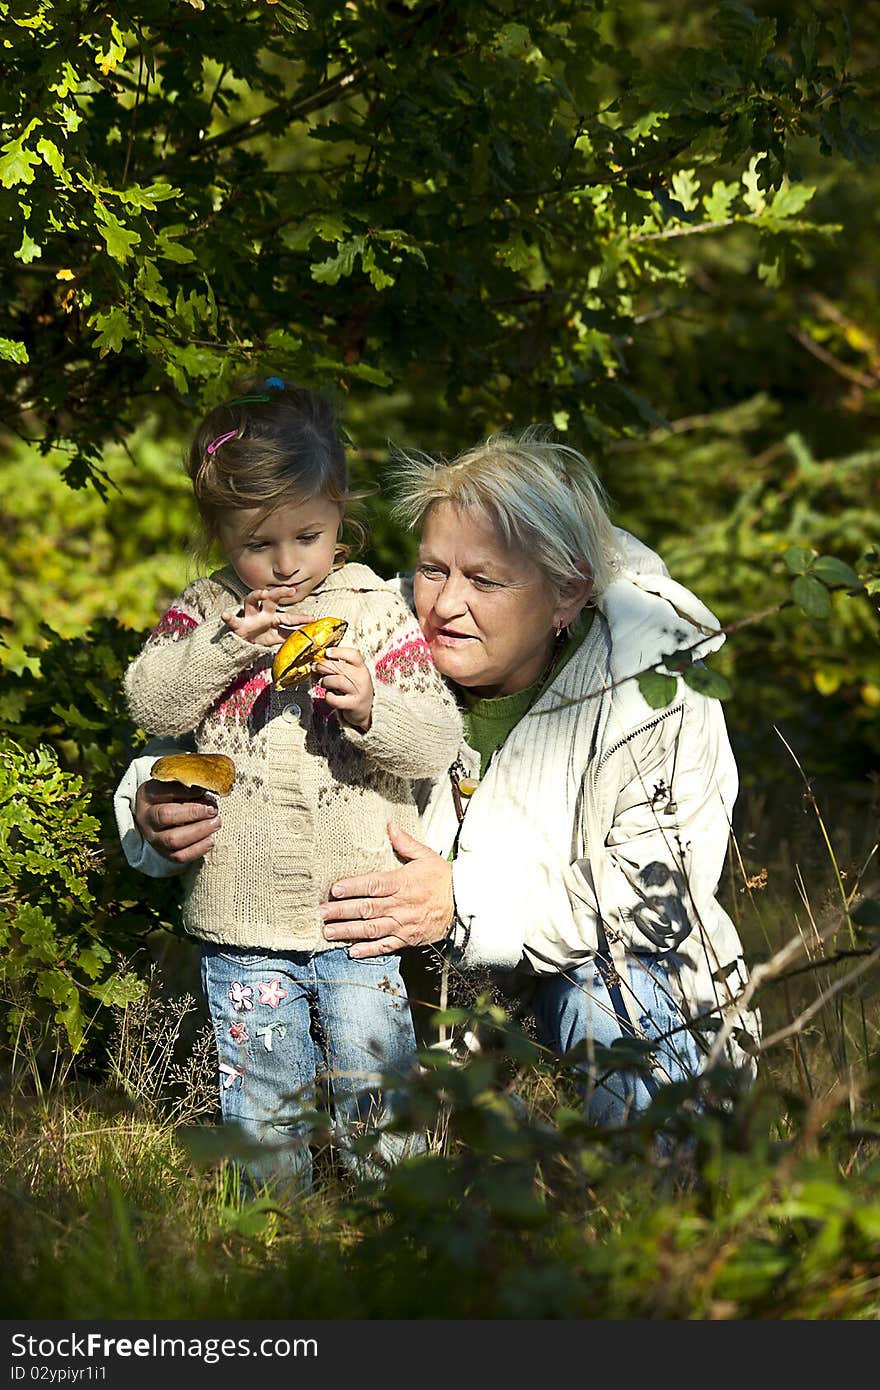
x: 292, y: 713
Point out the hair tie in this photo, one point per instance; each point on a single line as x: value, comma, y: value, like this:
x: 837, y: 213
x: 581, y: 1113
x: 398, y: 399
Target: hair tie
x: 274, y: 381
x: 221, y: 439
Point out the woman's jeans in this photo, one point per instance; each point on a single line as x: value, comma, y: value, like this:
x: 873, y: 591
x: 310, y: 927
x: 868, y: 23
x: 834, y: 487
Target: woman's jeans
x: 299, y: 1031
x: 590, y: 1004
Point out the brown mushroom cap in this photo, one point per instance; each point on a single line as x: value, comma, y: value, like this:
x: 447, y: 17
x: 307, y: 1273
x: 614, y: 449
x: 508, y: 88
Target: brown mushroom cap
x: 212, y: 771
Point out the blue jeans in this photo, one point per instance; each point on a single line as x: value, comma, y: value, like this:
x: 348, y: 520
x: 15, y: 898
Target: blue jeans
x: 589, y: 1004
x: 298, y: 1031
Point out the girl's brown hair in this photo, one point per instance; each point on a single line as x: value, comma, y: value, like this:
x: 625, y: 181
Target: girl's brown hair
x: 273, y: 443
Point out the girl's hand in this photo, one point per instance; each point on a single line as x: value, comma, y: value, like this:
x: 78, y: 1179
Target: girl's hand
x: 348, y: 684
x: 259, y: 620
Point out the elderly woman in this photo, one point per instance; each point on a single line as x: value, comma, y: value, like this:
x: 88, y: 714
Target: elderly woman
x: 580, y: 835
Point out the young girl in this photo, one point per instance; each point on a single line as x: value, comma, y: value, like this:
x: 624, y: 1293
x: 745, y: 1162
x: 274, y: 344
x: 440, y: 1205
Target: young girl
x: 321, y: 767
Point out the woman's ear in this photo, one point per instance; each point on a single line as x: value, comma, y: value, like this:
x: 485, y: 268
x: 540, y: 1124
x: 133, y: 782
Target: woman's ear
x: 574, y: 595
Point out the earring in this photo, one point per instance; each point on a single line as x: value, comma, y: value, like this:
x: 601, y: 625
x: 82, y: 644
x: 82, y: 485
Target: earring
x: 558, y: 629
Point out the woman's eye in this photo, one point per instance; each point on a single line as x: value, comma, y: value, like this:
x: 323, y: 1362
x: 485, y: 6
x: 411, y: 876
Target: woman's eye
x: 256, y: 545
x: 307, y: 540
x: 482, y: 582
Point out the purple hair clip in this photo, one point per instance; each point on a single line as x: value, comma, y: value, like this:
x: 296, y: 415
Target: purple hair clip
x: 221, y: 439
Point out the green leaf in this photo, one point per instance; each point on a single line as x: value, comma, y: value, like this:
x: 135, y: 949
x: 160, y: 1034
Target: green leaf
x: 174, y: 251
x: 708, y: 682
x: 52, y: 156
x: 150, y: 283
x: 17, y: 163
x: 92, y: 959
x: 29, y: 250
x: 114, y: 52
x: 686, y: 188
x: 328, y: 226
x: 753, y: 197
x: 331, y: 271
x: 379, y: 278
x: 113, y: 328
x: 11, y: 351
x: 811, y: 597
x: 790, y: 198
x: 835, y: 574
x: 55, y: 985
x: 282, y: 340
x: 364, y: 372
x: 119, y: 990
x: 719, y: 202
x: 658, y: 690
x: 292, y: 16
x: 798, y: 559
x: 120, y: 240
x: 147, y: 197
x: 678, y: 661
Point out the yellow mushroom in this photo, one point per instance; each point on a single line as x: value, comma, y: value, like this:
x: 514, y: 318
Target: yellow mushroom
x: 296, y: 657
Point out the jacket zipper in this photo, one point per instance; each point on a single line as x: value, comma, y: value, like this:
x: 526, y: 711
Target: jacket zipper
x: 634, y: 733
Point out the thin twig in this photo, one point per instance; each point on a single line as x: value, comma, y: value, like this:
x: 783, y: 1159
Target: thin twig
x: 804, y: 1017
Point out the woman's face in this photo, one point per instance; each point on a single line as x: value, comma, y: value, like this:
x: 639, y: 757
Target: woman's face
x: 487, y: 611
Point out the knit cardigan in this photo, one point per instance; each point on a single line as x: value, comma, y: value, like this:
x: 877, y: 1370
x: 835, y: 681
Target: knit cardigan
x: 312, y: 796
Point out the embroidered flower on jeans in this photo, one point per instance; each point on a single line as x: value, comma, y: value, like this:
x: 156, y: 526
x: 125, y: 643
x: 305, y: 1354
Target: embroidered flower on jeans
x: 231, y: 1074
x: 241, y: 996
x: 272, y: 993
x: 238, y: 1033
x: 271, y: 1030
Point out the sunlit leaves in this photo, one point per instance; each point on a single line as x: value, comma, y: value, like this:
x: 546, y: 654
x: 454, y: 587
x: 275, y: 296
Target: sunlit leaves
x: 754, y: 197
x: 390, y: 191
x: 17, y: 161
x: 11, y: 351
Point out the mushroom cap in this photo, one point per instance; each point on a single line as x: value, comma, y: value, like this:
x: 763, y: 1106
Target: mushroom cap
x: 212, y: 771
x: 295, y: 657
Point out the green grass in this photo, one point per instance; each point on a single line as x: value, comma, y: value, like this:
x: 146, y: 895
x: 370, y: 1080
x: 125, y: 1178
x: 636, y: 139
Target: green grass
x: 769, y: 1209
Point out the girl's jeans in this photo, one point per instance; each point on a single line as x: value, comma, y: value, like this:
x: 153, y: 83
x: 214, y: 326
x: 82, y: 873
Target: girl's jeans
x: 296, y: 1031
x: 589, y: 1004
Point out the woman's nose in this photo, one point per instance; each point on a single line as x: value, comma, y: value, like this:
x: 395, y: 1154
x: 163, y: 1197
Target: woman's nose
x: 449, y: 598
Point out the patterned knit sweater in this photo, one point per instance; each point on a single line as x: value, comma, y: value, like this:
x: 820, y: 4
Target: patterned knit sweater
x: 312, y: 796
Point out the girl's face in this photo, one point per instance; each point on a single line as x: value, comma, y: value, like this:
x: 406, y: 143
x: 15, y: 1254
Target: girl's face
x: 487, y: 611
x: 294, y: 545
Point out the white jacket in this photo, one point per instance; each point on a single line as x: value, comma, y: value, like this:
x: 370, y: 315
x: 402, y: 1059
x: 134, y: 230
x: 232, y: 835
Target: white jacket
x: 603, y: 822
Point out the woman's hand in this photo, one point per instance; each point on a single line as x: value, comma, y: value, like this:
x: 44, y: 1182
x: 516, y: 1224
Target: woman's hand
x: 381, y: 913
x: 175, y: 820
x: 348, y: 684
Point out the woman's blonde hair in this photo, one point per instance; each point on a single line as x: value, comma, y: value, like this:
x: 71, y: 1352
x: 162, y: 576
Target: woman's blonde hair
x: 542, y: 495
